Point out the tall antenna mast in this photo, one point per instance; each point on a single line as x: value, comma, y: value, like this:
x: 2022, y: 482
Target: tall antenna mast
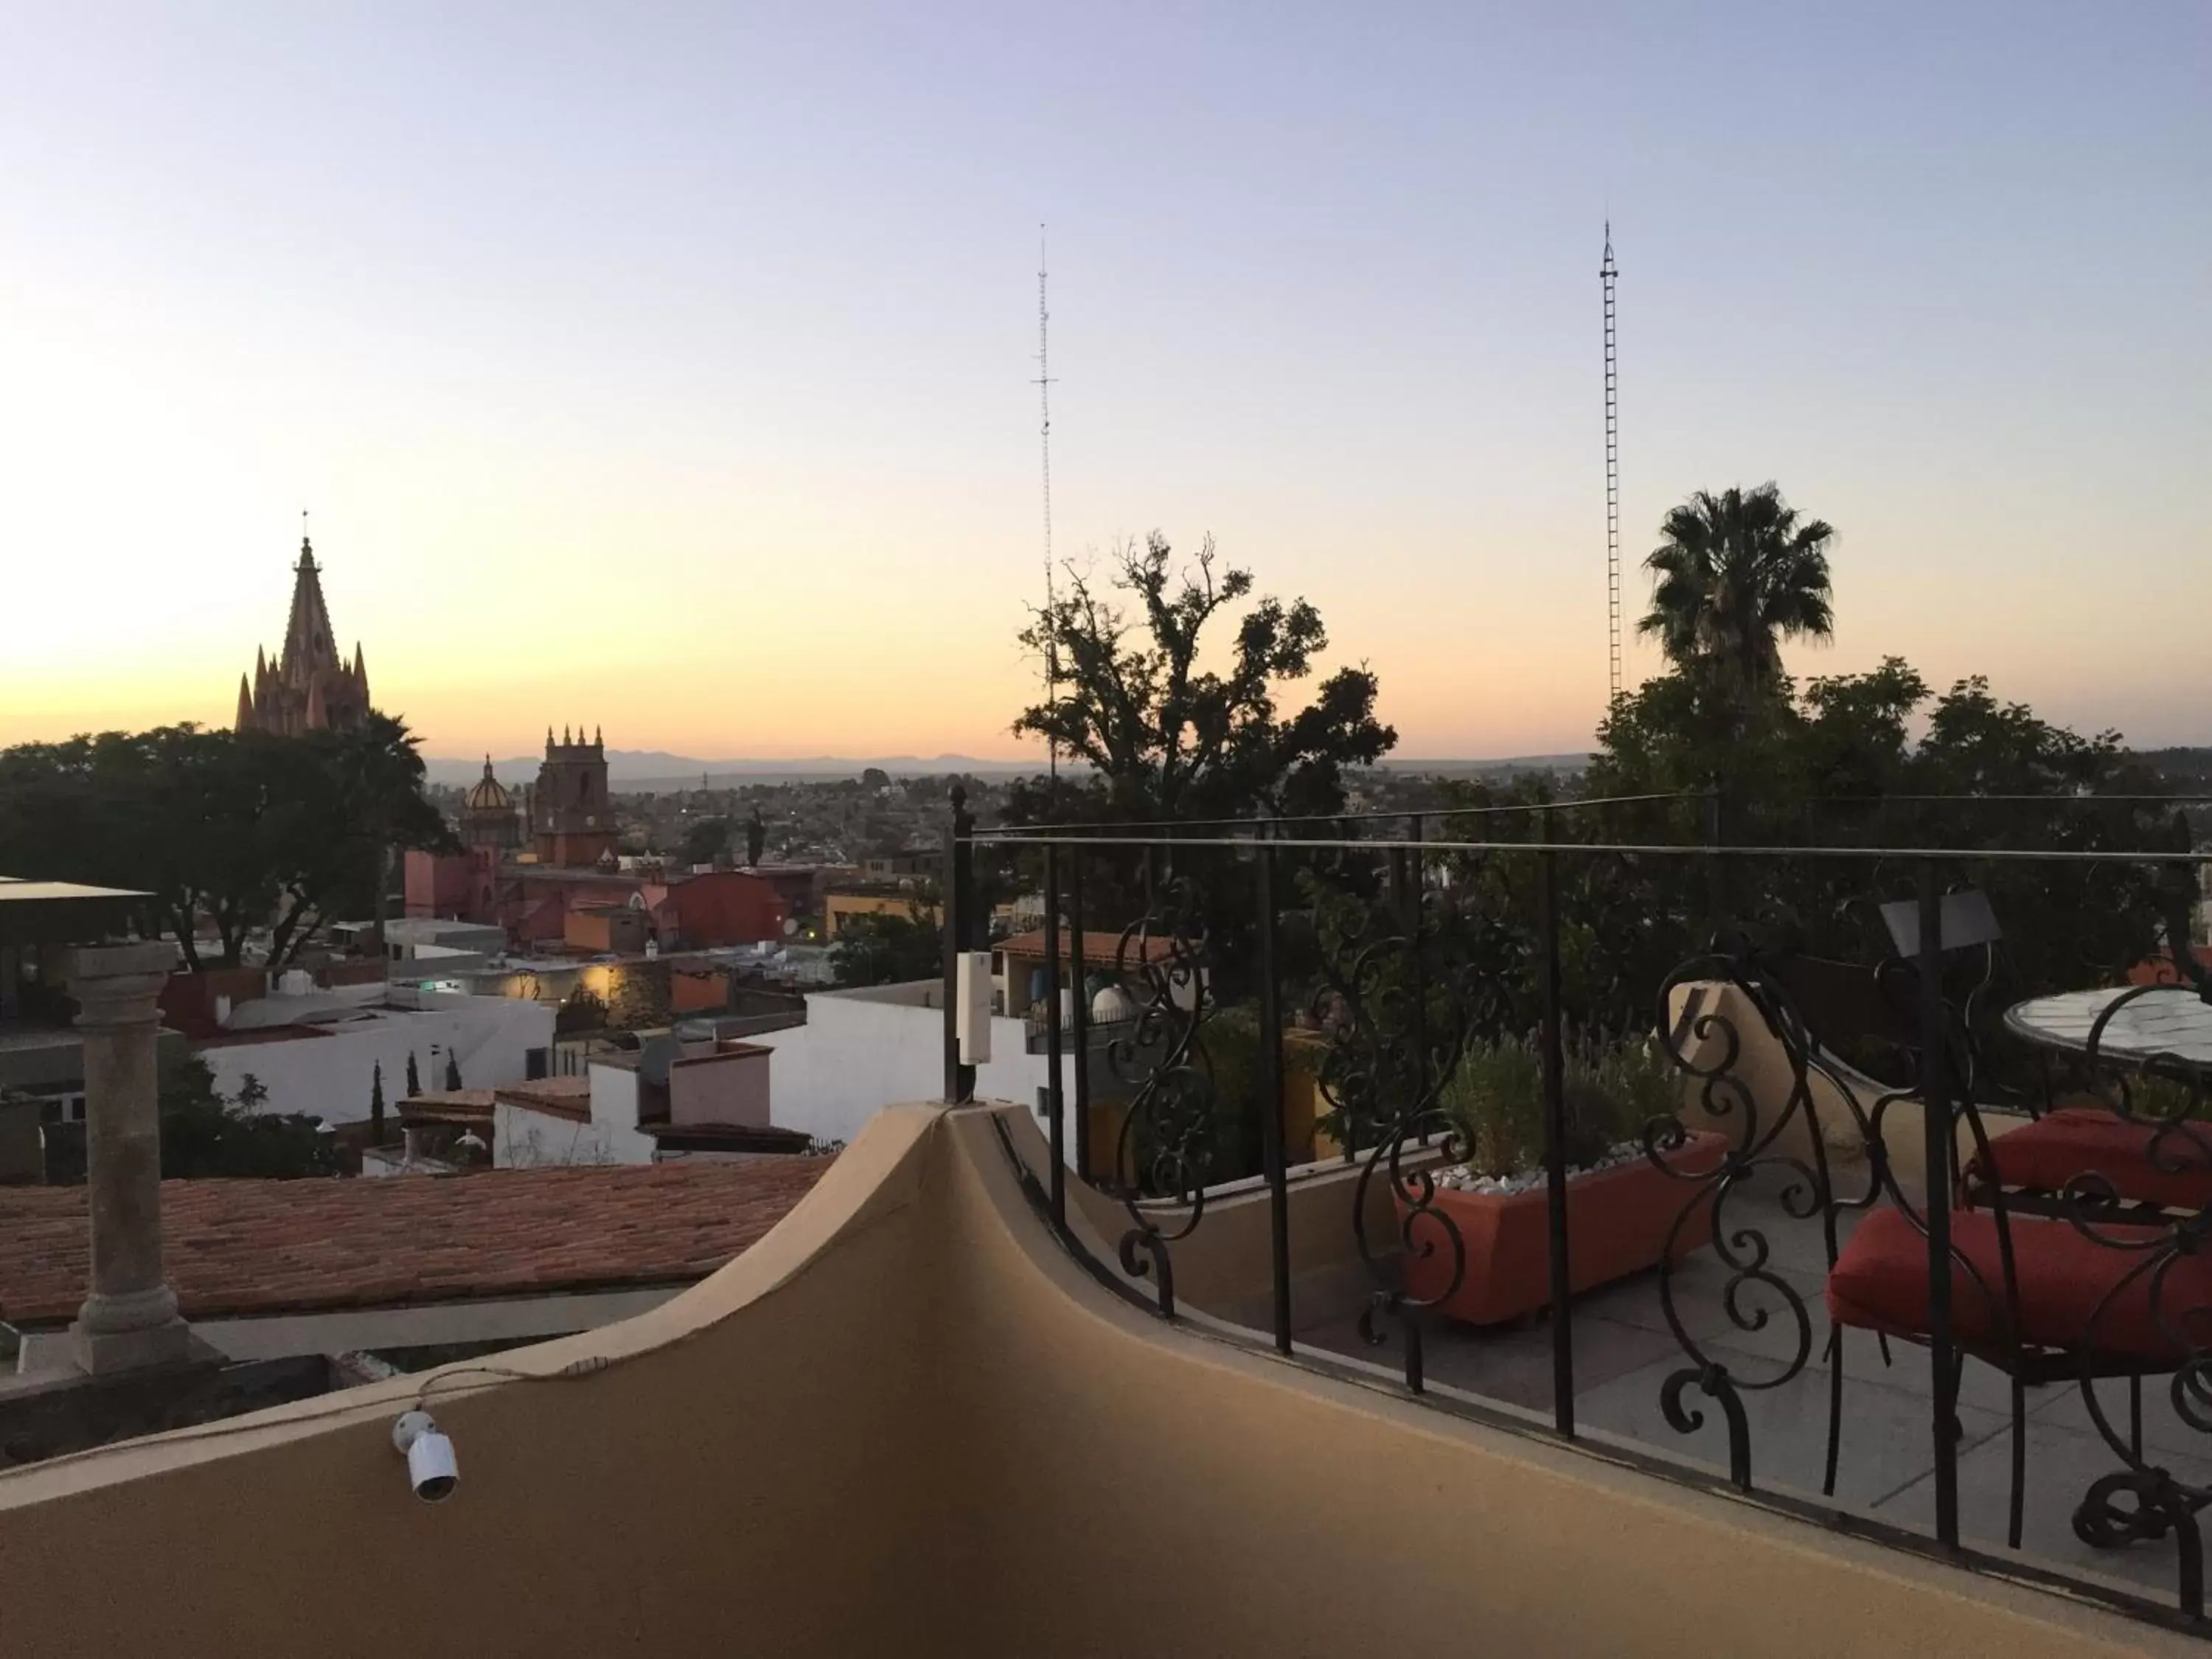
x: 1607, y: 275
x: 1044, y: 433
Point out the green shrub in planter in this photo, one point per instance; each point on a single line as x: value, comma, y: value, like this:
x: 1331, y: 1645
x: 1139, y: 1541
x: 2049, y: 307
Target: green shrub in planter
x: 1612, y: 1087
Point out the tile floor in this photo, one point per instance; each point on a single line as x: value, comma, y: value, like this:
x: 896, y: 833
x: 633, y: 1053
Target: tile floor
x: 1623, y: 1353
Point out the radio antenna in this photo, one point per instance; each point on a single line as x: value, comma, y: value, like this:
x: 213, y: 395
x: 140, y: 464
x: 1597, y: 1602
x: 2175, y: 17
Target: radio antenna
x: 1044, y: 436
x: 1607, y: 275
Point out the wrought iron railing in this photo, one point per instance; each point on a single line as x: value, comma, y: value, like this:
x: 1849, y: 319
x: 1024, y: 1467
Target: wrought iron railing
x: 1408, y: 964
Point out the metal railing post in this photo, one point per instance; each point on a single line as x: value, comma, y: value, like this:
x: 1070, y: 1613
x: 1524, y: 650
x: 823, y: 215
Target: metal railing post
x: 1271, y: 1100
x: 1418, y: 879
x: 1056, y: 1105
x: 1939, y: 1144
x: 959, y: 877
x: 1555, y: 1149
x: 1717, y: 884
x: 1077, y: 951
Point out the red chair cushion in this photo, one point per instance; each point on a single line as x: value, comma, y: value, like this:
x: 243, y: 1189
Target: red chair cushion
x: 1880, y: 1282
x: 2045, y: 1155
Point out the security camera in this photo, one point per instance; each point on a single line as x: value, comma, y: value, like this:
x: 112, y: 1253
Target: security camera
x: 431, y: 1469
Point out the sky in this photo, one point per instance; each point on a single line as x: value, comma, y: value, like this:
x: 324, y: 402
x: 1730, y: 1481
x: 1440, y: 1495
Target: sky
x: 669, y: 368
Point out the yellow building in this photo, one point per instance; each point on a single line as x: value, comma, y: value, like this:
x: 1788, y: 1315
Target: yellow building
x: 839, y: 909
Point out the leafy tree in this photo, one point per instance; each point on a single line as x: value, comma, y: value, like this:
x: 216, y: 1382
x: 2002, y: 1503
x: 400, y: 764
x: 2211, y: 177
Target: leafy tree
x: 239, y: 829
x: 452, y: 1070
x: 639, y: 996
x: 706, y: 840
x: 1835, y: 766
x: 204, y: 1134
x: 756, y: 838
x: 1167, y: 739
x: 581, y: 1010
x: 173, y: 811
x: 1735, y: 574
x: 874, y: 777
x: 413, y: 1076
x: 888, y: 950
x: 336, y: 804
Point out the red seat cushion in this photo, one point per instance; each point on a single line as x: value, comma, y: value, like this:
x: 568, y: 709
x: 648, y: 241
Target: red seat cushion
x: 1880, y: 1282
x: 2082, y: 1140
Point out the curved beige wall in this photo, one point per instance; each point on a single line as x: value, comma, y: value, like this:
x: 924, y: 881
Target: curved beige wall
x: 908, y: 1422
x: 748, y: 1477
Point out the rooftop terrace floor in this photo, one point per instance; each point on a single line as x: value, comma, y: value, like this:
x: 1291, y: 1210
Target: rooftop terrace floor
x: 1623, y: 1351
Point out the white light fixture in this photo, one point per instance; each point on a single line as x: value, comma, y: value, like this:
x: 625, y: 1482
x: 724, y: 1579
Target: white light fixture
x: 431, y: 1469
x: 972, y: 996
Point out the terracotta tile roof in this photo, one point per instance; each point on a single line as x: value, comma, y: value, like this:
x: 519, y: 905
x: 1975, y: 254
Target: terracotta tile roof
x: 729, y: 1137
x: 270, y: 1247
x: 1100, y: 950
x: 469, y: 1106
x: 562, y: 1096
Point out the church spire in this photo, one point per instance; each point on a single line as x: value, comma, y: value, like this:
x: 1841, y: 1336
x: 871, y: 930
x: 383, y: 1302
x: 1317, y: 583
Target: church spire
x: 308, y: 685
x: 308, y: 645
x: 244, y: 708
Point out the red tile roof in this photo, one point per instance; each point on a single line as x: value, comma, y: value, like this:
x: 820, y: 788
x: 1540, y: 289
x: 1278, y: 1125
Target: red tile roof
x: 471, y: 1108
x: 1100, y: 950
x: 562, y: 1096
x: 273, y: 1247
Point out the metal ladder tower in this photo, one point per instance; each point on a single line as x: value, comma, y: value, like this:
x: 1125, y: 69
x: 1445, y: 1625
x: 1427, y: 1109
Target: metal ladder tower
x: 1607, y: 275
x: 1044, y: 433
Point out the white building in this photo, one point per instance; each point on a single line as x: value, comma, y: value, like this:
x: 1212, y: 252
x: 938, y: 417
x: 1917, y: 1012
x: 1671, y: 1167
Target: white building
x: 696, y: 1096
x: 319, y: 1052
x: 862, y: 1048
x: 674, y: 1099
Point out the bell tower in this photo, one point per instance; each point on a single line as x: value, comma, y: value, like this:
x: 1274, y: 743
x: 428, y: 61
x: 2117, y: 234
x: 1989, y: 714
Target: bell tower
x: 572, y: 816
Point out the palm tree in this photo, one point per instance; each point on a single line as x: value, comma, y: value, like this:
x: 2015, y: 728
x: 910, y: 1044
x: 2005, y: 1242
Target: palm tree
x: 381, y: 775
x: 1737, y: 573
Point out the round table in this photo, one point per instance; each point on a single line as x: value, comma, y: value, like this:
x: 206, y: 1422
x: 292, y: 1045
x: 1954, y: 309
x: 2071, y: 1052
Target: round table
x: 2170, y: 1022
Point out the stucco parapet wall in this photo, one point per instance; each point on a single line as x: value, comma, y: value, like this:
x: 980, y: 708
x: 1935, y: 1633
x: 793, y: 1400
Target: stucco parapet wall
x: 1683, y: 1571
x: 869, y: 1179
x: 910, y: 1420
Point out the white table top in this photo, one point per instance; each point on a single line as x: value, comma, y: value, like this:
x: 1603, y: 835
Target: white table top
x: 2172, y: 1020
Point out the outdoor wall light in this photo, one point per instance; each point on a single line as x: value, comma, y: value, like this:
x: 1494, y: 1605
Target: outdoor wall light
x: 972, y: 997
x: 431, y: 1470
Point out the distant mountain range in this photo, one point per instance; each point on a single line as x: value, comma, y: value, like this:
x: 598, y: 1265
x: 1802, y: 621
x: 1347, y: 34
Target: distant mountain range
x: 655, y: 768
x: 647, y: 768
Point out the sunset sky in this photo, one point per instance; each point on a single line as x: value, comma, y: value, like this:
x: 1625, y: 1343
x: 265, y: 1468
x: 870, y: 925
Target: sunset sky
x: 668, y: 367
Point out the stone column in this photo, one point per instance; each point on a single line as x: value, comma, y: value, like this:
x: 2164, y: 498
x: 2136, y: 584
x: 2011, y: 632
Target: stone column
x: 130, y: 1316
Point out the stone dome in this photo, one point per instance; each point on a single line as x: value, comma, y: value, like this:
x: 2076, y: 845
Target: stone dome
x: 490, y: 794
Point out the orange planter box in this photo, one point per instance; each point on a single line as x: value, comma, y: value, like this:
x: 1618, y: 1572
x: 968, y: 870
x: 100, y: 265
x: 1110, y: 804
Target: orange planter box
x: 1617, y: 1225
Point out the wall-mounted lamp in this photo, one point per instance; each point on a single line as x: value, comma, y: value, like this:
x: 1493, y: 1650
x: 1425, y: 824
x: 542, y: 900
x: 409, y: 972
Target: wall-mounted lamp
x: 431, y: 1468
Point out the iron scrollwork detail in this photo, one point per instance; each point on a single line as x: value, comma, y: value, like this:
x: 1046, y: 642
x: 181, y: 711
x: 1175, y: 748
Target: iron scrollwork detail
x: 1163, y: 1153
x: 2164, y: 1095
x: 1697, y: 1020
x: 1398, y: 1011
